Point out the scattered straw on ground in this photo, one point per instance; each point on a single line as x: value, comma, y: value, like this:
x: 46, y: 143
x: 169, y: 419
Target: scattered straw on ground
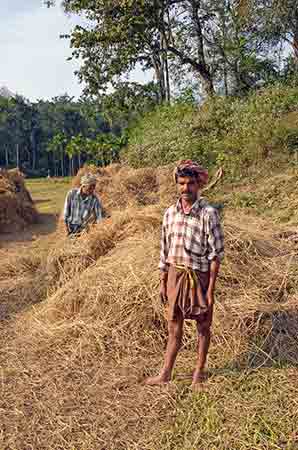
x: 72, y: 365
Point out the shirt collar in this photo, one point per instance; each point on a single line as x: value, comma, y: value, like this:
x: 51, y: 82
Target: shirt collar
x: 79, y: 192
x: 197, y: 206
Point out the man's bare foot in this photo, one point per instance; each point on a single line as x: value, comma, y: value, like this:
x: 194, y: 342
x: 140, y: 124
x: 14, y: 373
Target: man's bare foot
x: 199, y: 377
x: 185, y: 376
x: 158, y: 380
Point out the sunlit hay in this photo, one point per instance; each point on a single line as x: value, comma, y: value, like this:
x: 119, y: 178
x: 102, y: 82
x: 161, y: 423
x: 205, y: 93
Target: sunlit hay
x: 17, y: 264
x: 119, y: 187
x: 167, y: 186
x: 20, y: 292
x: 16, y: 206
x: 100, y: 331
x: 76, y: 360
x: 91, y: 343
x: 74, y: 254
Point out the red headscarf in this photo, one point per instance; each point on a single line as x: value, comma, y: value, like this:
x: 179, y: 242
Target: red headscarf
x: 193, y: 167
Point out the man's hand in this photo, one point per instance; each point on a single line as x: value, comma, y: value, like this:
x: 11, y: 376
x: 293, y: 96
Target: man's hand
x: 209, y: 316
x: 210, y: 298
x: 210, y: 303
x: 66, y: 228
x: 163, y: 292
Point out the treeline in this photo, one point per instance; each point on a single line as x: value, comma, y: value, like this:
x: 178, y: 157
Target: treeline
x: 195, y: 49
x: 57, y: 137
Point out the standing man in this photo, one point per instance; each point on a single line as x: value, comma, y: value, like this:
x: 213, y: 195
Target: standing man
x: 81, y: 205
x: 192, y: 248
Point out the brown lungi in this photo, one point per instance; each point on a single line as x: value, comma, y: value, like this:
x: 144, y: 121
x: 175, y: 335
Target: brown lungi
x: 186, y: 292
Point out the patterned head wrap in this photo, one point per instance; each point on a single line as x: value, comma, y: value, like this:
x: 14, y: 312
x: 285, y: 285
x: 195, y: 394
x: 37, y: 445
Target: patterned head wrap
x: 88, y: 180
x: 189, y: 168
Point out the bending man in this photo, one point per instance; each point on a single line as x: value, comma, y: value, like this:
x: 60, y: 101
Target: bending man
x: 192, y: 248
x: 81, y: 205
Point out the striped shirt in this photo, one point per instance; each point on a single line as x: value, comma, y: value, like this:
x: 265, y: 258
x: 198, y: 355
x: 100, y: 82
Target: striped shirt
x: 78, y: 209
x: 191, y: 239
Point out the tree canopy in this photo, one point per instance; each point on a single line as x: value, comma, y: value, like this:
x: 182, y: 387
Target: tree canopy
x: 58, y: 136
x: 224, y: 44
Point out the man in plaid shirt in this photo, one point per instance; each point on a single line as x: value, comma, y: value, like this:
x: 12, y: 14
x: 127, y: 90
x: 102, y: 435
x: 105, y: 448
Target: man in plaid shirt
x: 81, y: 205
x: 192, y: 248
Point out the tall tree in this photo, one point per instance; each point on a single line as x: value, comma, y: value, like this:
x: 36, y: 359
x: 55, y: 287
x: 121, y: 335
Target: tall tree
x: 275, y: 20
x: 205, y: 38
x: 152, y: 30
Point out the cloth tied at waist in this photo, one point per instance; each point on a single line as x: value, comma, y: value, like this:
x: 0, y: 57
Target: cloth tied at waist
x: 186, y: 291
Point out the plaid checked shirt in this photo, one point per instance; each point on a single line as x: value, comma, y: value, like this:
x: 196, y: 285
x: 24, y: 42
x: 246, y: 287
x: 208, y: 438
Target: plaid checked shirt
x: 192, y: 239
x: 78, y: 209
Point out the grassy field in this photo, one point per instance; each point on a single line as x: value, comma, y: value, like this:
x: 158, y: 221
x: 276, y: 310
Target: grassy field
x: 48, y: 194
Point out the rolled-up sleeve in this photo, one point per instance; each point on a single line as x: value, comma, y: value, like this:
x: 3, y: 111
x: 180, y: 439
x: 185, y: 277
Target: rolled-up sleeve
x: 164, y: 247
x: 67, y: 207
x: 215, y: 236
x: 98, y: 210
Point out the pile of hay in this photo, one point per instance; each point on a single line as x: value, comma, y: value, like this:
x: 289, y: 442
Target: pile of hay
x: 83, y: 352
x: 73, y: 364
x: 121, y: 187
x: 16, y: 206
x: 72, y: 256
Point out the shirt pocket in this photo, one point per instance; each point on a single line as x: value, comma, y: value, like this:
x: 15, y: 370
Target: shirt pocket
x: 195, y: 241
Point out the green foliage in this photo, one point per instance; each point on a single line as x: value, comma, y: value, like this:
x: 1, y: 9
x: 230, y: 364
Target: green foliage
x: 59, y: 136
x: 163, y: 136
x: 127, y: 103
x: 238, y: 134
x: 176, y: 39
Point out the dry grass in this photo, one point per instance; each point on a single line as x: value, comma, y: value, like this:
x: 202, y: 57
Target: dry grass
x: 16, y: 206
x: 72, y: 366
x: 121, y: 187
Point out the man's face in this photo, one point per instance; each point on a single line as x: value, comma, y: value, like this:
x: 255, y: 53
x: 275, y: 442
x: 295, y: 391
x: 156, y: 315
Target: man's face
x: 188, y: 188
x: 88, y: 189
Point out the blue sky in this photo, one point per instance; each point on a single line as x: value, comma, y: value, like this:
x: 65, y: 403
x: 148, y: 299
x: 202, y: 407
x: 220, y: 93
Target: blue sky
x: 33, y: 57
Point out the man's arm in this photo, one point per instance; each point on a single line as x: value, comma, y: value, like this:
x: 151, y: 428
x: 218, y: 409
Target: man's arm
x: 97, y: 210
x: 67, y: 210
x: 215, y: 252
x: 163, y: 265
x: 214, y: 269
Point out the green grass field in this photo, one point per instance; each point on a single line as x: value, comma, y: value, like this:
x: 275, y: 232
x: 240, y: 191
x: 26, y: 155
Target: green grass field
x: 48, y: 194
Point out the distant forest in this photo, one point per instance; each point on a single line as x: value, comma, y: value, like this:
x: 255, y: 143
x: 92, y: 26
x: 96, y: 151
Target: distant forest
x: 194, y: 50
x: 57, y: 137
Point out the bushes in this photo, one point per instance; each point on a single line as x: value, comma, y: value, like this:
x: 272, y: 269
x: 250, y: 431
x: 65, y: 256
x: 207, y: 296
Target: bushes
x: 239, y: 134
x: 161, y: 137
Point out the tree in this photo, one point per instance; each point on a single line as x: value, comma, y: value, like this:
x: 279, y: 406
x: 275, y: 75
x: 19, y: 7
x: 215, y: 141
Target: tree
x: 6, y: 135
x: 275, y: 20
x: 57, y: 147
x: 207, y: 39
x: 152, y: 30
x: 127, y: 103
x: 116, y: 23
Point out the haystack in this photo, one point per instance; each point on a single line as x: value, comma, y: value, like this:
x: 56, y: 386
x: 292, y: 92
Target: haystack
x: 74, y: 381
x: 17, y: 209
x: 119, y: 187
x: 86, y: 348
